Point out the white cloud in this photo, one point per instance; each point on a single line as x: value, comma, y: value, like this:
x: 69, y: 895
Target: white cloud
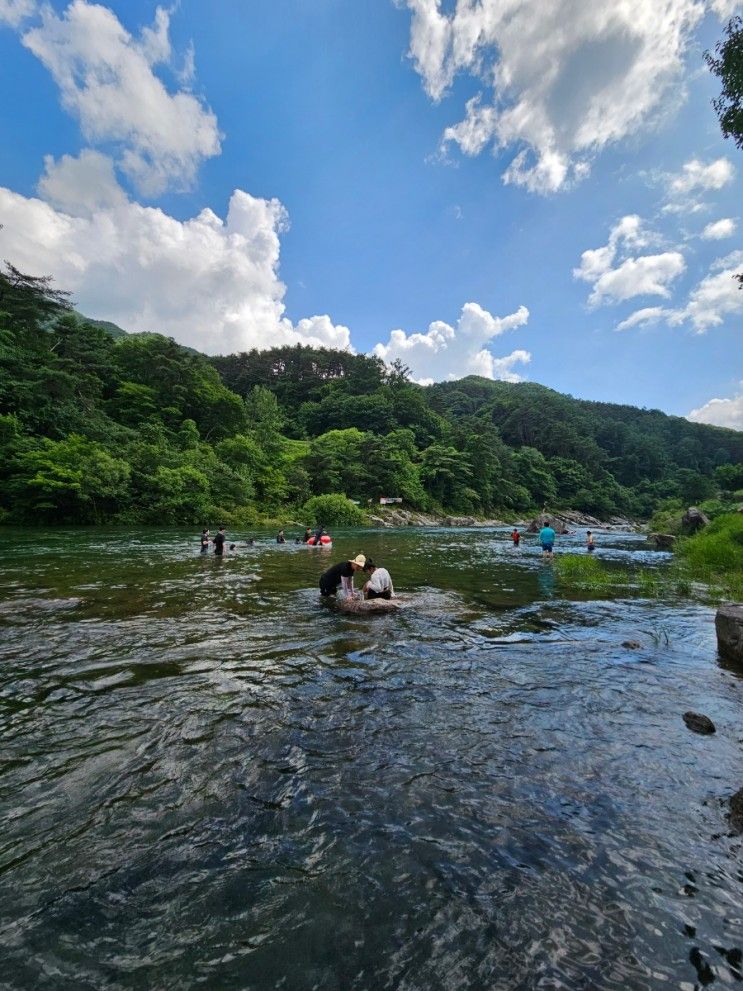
x: 684, y: 189
x: 12, y: 12
x: 565, y: 82
x: 724, y: 9
x: 719, y: 229
x: 595, y: 262
x: 647, y: 275
x: 698, y: 176
x: 716, y: 297
x: 81, y: 185
x: 106, y: 79
x: 643, y: 318
x: 632, y: 276
x: 448, y: 353
x: 720, y: 413
x: 210, y: 283
x: 155, y: 41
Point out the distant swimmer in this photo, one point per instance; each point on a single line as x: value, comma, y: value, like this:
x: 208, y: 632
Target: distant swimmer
x: 307, y: 534
x: 219, y: 542
x: 590, y: 546
x: 515, y: 537
x: 280, y: 538
x: 341, y: 574
x: 205, y: 540
x: 379, y: 585
x: 547, y: 539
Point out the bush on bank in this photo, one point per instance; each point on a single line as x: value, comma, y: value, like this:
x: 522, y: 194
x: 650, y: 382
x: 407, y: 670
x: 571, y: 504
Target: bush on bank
x: 332, y: 510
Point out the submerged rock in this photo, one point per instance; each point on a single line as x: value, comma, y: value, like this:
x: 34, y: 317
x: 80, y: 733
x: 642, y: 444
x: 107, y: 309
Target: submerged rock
x: 729, y: 629
x: 698, y: 723
x: 736, y: 811
x: 28, y: 607
x: 368, y: 605
x: 632, y: 644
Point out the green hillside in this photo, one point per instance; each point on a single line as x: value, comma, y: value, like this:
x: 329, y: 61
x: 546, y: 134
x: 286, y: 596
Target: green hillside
x: 97, y: 425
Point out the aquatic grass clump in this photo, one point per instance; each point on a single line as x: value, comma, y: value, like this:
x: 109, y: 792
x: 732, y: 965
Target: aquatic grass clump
x: 589, y: 574
x: 586, y: 572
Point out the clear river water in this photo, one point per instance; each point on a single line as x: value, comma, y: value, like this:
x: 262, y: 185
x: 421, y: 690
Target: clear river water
x: 210, y: 780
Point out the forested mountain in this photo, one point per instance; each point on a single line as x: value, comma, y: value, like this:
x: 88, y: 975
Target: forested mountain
x: 136, y: 428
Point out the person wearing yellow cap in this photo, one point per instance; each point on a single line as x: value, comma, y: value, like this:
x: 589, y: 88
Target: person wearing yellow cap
x: 341, y: 574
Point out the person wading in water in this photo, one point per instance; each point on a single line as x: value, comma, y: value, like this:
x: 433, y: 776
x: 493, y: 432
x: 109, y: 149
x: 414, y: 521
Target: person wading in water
x: 341, y: 574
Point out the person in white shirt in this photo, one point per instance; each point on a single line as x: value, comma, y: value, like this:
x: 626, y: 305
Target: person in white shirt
x: 379, y: 585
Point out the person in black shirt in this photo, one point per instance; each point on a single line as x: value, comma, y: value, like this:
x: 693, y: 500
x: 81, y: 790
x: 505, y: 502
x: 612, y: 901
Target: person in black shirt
x: 280, y: 538
x: 204, y: 541
x: 219, y: 542
x: 341, y: 574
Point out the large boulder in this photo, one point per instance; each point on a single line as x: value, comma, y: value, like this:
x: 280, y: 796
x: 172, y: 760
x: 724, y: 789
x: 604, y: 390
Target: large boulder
x: 693, y: 520
x: 729, y: 628
x: 558, y: 523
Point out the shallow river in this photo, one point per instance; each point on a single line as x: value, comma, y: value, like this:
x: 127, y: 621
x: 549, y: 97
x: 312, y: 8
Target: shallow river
x: 209, y: 780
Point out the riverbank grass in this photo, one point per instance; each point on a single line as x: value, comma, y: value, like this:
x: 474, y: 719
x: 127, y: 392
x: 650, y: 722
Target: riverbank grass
x: 714, y: 556
x: 709, y: 563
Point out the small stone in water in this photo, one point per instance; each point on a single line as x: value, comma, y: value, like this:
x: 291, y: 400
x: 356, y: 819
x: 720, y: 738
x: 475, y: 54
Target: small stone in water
x: 736, y: 811
x: 631, y: 644
x: 698, y: 723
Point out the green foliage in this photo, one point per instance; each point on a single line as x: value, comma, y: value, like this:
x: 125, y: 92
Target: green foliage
x: 728, y: 66
x: 729, y: 477
x: 73, y: 479
x: 716, y: 552
x: 667, y: 518
x: 333, y: 510
x: 95, y: 427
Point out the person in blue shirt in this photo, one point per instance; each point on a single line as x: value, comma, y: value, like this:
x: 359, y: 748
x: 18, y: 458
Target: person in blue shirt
x: 547, y: 539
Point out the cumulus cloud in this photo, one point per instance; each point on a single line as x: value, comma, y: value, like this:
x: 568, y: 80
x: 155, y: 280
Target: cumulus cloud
x: 12, y: 12
x: 445, y: 352
x: 719, y: 229
x: 557, y: 87
x: 211, y: 283
x: 615, y: 275
x: 106, y: 80
x: 695, y: 175
x: 684, y: 189
x: 81, y: 185
x: 720, y: 413
x: 648, y: 275
x: 716, y: 297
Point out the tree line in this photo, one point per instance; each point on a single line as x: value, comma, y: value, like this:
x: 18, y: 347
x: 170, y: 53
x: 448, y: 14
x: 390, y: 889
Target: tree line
x: 97, y: 428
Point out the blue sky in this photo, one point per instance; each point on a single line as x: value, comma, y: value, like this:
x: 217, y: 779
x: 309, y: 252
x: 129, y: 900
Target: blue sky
x: 473, y: 187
